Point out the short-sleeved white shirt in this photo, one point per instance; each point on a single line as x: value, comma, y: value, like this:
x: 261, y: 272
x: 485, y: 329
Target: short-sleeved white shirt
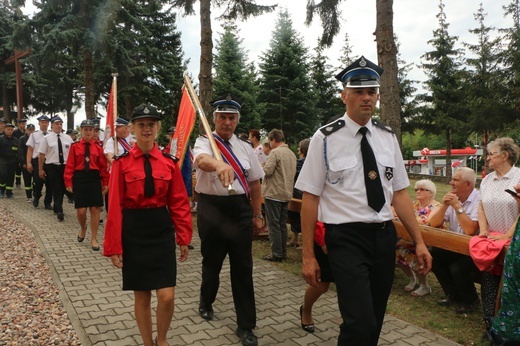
x: 49, y: 147
x: 470, y: 207
x: 109, y: 146
x: 208, y: 182
x: 34, y: 141
x: 259, y: 151
x: 333, y: 170
x: 500, y: 208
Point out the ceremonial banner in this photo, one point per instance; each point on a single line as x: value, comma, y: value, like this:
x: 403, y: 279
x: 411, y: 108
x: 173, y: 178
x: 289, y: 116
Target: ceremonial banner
x: 183, y: 128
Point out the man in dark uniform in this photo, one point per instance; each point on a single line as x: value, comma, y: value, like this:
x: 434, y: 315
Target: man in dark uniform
x: 8, y: 161
x: 19, y: 132
x: 351, y: 192
x: 22, y: 161
x: 226, y: 221
x: 3, y: 122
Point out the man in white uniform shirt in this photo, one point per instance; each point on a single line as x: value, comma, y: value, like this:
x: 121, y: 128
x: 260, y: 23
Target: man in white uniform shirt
x: 352, y: 176
x: 226, y: 221
x: 125, y: 140
x: 33, y: 145
x: 53, y: 153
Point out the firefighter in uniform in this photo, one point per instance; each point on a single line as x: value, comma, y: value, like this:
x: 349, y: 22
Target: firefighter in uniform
x: 22, y: 161
x: 33, y: 145
x: 226, y: 221
x: 8, y: 161
x: 352, y: 176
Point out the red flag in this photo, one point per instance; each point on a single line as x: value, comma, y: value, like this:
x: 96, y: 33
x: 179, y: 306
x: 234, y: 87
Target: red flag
x: 111, y: 110
x: 184, y: 127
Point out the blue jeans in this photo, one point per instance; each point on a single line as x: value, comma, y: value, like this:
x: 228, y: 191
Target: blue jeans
x: 276, y: 213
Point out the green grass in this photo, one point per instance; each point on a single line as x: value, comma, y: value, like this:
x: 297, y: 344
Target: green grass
x: 423, y: 312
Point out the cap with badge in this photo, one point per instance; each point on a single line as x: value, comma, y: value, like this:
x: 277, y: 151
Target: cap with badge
x: 9, y: 125
x: 30, y: 127
x: 2, y: 120
x: 145, y: 111
x: 227, y: 103
x: 43, y: 117
x: 121, y: 122
x: 171, y: 130
x: 56, y: 119
x: 87, y: 123
x: 22, y: 121
x: 362, y: 73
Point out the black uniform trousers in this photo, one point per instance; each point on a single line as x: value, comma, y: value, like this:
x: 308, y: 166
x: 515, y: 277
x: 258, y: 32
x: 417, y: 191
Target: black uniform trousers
x: 362, y: 258
x: 456, y: 274
x: 27, y: 181
x: 57, y: 184
x: 225, y: 227
x: 38, y: 184
x: 7, y: 171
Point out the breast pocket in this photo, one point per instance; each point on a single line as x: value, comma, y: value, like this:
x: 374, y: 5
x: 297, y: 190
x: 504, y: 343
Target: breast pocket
x: 134, y: 180
x: 387, y: 161
x: 340, y: 168
x: 161, y: 179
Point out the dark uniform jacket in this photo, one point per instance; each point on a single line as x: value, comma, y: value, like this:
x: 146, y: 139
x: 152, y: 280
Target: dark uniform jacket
x: 22, y: 149
x: 8, y: 148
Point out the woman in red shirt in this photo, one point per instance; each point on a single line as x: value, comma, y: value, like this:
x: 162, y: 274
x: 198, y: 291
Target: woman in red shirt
x: 86, y: 176
x: 148, y: 211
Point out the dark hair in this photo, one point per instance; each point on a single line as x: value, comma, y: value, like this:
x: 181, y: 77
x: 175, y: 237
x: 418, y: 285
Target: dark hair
x: 304, y: 146
x: 244, y: 136
x: 255, y: 133
x: 277, y: 135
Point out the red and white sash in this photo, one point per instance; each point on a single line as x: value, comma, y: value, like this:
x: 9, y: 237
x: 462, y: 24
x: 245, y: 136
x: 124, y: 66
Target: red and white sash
x: 126, y: 146
x: 229, y: 157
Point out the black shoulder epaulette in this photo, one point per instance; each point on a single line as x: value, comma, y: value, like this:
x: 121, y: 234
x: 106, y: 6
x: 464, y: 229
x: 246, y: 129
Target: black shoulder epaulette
x: 122, y: 155
x: 170, y: 156
x: 332, y: 127
x: 382, y: 126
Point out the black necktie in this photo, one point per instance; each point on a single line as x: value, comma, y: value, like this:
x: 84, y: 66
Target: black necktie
x: 148, y: 180
x: 60, y: 150
x: 375, y: 195
x: 87, y: 156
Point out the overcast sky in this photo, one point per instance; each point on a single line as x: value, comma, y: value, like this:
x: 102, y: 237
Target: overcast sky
x: 414, y: 23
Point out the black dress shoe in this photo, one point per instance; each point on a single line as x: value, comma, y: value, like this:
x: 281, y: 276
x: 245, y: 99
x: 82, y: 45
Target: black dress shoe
x: 309, y: 328
x: 272, y: 258
x: 468, y: 308
x: 35, y: 202
x: 95, y: 248
x: 246, y: 337
x: 61, y: 217
x: 206, y: 313
x: 191, y: 247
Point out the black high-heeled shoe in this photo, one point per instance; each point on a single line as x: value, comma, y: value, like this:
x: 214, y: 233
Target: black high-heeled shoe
x: 309, y: 328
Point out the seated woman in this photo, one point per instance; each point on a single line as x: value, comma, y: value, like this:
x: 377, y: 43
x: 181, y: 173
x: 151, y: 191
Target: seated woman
x: 405, y: 251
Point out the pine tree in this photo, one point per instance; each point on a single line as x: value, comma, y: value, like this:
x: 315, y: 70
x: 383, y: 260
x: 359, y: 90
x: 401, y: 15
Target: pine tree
x: 234, y: 9
x: 329, y: 103
x: 444, y: 110
x: 345, y: 57
x: 285, y: 86
x: 487, y: 95
x: 233, y: 74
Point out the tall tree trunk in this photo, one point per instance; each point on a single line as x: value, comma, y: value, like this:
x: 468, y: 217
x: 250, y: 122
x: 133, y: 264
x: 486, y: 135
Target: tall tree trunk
x: 206, y: 58
x: 387, y: 58
x: 89, y: 83
x: 70, y: 116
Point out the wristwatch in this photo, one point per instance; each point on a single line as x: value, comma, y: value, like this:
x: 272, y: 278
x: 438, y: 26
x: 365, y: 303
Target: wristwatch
x: 460, y: 210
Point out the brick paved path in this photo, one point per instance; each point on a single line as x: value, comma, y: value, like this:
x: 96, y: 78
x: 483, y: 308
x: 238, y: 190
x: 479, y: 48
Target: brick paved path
x: 102, y: 314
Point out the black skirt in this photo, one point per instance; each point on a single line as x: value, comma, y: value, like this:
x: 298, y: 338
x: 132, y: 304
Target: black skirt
x: 87, y: 189
x: 323, y: 261
x: 148, y: 239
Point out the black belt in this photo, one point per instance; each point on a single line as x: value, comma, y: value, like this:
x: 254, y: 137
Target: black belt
x: 363, y: 225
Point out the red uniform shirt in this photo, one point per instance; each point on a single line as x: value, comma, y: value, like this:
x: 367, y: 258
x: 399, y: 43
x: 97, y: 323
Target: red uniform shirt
x: 76, y: 161
x: 126, y: 191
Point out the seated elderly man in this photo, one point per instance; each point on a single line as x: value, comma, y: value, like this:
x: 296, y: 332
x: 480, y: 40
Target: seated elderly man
x: 456, y: 272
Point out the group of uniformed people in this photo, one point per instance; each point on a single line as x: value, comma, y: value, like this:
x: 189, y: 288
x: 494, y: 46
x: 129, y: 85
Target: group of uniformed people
x: 353, y: 174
